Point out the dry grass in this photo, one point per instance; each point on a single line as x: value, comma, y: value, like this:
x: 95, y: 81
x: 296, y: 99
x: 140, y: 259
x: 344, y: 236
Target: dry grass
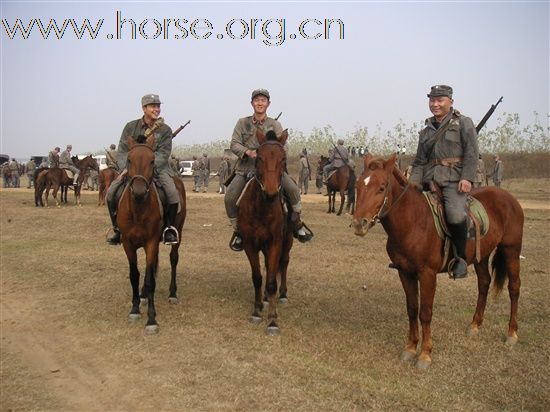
x: 66, y: 343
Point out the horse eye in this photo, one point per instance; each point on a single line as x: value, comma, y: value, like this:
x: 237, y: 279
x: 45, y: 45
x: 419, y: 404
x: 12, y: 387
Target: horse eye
x: 381, y: 188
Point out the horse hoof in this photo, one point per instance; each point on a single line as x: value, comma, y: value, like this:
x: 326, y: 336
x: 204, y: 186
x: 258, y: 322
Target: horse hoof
x: 407, y: 356
x: 283, y: 300
x: 173, y: 300
x: 423, y: 364
x: 256, y: 320
x: 133, y: 317
x: 511, y: 341
x: 473, y: 331
x: 151, y: 329
x: 273, y: 331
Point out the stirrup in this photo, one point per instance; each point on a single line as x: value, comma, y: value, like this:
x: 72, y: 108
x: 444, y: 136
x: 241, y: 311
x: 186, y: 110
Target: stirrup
x: 303, y: 238
x: 452, y: 262
x: 170, y: 229
x: 114, y: 240
x: 234, y: 245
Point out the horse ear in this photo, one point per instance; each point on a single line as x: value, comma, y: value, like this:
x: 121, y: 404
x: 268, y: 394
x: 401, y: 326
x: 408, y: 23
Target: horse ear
x: 130, y: 142
x: 390, y: 163
x: 283, y: 137
x: 260, y: 136
x: 366, y: 160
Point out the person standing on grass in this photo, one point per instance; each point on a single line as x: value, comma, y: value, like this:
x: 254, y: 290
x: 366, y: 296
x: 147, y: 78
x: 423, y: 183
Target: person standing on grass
x: 498, y: 170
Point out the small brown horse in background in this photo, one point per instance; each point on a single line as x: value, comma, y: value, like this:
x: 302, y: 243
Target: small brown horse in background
x: 383, y: 194
x: 106, y: 177
x: 265, y: 226
x: 342, y: 181
x: 140, y: 220
x: 56, y: 178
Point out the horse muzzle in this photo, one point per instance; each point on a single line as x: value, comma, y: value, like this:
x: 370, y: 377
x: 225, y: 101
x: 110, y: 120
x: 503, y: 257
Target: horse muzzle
x: 362, y: 226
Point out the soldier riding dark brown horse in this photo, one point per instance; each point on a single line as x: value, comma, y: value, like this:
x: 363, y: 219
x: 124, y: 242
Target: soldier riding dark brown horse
x: 140, y: 221
x: 414, y: 247
x: 265, y: 226
x: 342, y: 181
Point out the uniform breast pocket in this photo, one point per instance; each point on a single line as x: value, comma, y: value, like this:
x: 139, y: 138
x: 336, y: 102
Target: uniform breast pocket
x: 453, y: 135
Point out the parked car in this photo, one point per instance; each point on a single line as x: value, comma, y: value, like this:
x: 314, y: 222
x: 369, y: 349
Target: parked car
x: 185, y: 167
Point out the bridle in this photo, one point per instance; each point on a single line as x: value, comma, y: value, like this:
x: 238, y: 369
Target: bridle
x: 378, y: 216
x: 262, y: 187
x: 140, y: 177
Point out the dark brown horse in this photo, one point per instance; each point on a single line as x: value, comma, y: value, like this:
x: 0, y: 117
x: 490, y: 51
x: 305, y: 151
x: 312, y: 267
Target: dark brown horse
x: 140, y: 221
x: 383, y: 194
x: 343, y: 182
x: 266, y: 227
x: 56, y: 178
x: 106, y: 177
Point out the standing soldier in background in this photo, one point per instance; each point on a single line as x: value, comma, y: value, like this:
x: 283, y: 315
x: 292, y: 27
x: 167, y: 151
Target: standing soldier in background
x: 111, y: 156
x: 223, y: 173
x: 480, y: 173
x: 205, y: 172
x: 174, y: 165
x: 304, y: 174
x: 196, y: 172
x: 65, y: 162
x: 53, y: 158
x: 30, y: 167
x: 319, y: 176
x: 446, y: 157
x: 92, y: 179
x: 498, y: 170
x: 14, y: 167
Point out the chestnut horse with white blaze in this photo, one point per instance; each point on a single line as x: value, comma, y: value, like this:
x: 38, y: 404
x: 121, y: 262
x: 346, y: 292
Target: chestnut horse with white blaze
x: 265, y: 226
x: 414, y: 247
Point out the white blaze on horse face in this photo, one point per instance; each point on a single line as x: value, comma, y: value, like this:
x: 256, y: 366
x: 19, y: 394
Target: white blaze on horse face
x: 366, y: 181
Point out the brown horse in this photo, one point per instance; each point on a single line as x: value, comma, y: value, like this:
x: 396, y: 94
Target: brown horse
x: 6, y: 175
x: 140, y: 220
x: 414, y: 247
x: 55, y: 178
x: 265, y: 226
x: 342, y: 181
x: 106, y: 177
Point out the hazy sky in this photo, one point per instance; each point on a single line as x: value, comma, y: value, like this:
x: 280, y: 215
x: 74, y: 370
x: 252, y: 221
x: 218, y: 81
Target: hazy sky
x: 83, y: 91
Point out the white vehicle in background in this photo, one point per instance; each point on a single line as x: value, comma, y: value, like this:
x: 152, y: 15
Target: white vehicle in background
x: 101, y: 161
x: 185, y: 167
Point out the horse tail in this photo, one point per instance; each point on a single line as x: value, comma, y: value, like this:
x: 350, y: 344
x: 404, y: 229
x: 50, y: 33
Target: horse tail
x: 498, y: 266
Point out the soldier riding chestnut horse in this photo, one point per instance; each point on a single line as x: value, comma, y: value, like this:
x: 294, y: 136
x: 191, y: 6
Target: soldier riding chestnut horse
x: 342, y: 181
x: 414, y: 247
x: 265, y: 226
x: 140, y: 221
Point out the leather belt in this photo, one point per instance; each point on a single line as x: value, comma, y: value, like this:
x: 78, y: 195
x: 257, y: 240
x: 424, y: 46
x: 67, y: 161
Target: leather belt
x: 448, y: 161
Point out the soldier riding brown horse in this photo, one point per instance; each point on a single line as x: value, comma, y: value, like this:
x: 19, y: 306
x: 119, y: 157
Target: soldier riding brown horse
x: 417, y: 251
x: 343, y: 182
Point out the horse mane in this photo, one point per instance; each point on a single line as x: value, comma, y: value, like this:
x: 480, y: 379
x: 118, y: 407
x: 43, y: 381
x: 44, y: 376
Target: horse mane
x: 270, y: 135
x: 399, y: 176
x: 376, y: 163
x: 141, y: 139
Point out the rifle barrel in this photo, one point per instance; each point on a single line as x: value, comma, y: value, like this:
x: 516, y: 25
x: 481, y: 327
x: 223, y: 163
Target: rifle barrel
x: 488, y: 115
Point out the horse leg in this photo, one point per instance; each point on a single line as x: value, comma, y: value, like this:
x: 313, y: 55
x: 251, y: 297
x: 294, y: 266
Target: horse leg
x: 410, y: 286
x: 149, y: 283
x: 254, y: 260
x: 54, y: 194
x: 342, y: 200
x: 272, y: 267
x: 483, y: 283
x: 285, y: 259
x: 427, y: 280
x: 134, y: 281
x: 174, y: 258
x: 511, y: 256
x: 328, y: 192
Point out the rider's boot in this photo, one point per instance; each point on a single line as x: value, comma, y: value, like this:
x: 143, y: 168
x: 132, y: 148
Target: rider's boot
x: 112, y: 208
x: 459, y: 233
x: 236, y: 242
x: 300, y: 228
x: 170, y: 233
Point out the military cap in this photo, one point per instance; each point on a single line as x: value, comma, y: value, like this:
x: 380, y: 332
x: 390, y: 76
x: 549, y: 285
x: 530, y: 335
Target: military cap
x: 340, y: 141
x: 150, y: 99
x: 262, y: 92
x: 112, y: 146
x: 205, y: 154
x: 57, y: 148
x: 69, y: 146
x: 441, y: 90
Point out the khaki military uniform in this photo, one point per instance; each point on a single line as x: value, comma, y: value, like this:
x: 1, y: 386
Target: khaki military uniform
x: 223, y: 174
x: 498, y: 170
x: 111, y: 159
x: 162, y: 149
x: 480, y: 173
x: 53, y: 159
x: 196, y: 172
x: 30, y: 167
x: 453, y: 157
x: 14, y: 167
x: 65, y: 162
x: 205, y: 173
x: 338, y: 157
x: 243, y: 139
x: 303, y: 175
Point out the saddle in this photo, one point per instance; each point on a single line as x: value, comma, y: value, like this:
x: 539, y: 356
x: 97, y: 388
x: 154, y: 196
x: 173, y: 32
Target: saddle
x: 477, y: 220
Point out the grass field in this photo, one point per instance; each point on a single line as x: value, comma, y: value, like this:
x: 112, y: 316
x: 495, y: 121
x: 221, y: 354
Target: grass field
x: 66, y: 343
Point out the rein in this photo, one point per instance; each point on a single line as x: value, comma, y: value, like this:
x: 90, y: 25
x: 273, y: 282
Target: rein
x: 140, y: 177
x: 262, y: 187
x: 381, y: 213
